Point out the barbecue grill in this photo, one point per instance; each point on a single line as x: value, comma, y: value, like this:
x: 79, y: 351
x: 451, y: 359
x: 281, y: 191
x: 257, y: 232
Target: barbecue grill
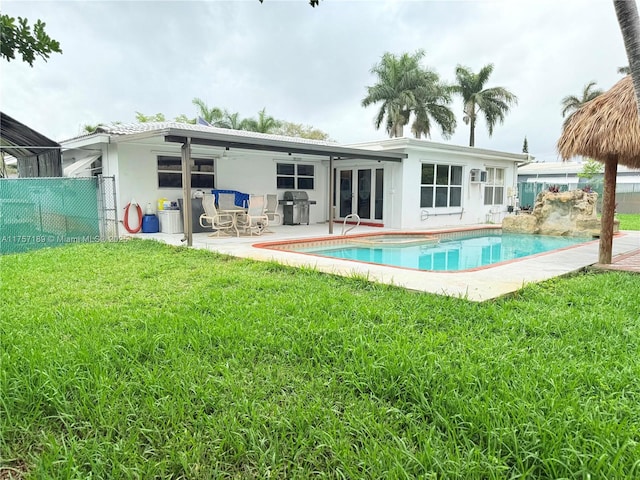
x: 295, y: 206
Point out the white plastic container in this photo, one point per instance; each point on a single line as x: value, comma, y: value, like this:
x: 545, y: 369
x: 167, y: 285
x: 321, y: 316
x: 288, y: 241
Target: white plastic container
x: 170, y: 221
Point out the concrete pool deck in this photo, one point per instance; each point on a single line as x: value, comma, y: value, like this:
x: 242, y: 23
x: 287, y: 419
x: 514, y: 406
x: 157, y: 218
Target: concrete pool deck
x: 477, y: 285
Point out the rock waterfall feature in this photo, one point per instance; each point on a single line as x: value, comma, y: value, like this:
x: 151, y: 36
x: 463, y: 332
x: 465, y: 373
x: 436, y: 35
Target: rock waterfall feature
x: 571, y: 213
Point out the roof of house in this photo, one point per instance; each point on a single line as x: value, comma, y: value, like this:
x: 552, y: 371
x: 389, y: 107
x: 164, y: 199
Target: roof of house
x: 175, y: 132
x: 133, y: 128
x: 20, y: 141
x: 562, y: 168
x: 404, y: 143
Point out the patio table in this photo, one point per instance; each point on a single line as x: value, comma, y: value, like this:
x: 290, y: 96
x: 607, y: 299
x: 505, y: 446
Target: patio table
x: 234, y: 212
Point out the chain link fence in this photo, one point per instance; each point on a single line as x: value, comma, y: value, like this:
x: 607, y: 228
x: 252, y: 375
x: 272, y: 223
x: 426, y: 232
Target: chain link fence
x: 47, y: 212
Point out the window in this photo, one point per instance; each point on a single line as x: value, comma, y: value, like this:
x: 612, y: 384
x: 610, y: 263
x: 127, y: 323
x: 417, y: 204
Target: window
x: 494, y: 188
x: 170, y: 172
x: 440, y: 185
x: 295, y: 176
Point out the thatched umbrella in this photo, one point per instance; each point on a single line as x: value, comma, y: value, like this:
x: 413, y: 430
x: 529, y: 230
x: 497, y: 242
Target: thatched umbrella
x: 606, y: 129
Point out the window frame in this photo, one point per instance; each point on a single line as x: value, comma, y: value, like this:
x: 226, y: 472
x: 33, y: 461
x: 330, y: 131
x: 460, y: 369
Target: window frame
x: 297, y: 177
x: 437, y: 187
x: 493, y: 186
x: 178, y: 173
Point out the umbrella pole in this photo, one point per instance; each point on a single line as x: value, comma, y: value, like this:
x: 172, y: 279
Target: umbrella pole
x: 608, y: 210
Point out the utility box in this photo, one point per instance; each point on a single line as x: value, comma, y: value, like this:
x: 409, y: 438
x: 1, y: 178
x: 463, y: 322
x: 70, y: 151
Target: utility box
x: 170, y: 221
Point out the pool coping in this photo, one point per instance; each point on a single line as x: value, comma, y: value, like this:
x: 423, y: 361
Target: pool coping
x: 447, y: 234
x: 477, y: 285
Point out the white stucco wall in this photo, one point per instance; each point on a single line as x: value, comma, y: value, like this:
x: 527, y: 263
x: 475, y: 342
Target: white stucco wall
x: 248, y: 172
x: 403, y: 199
x: 134, y: 164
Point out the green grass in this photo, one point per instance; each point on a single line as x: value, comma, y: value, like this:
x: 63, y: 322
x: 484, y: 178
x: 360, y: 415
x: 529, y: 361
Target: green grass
x: 629, y: 221
x: 140, y: 360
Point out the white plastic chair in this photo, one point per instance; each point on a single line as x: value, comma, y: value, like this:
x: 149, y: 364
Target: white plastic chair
x: 211, y: 218
x: 271, y: 210
x: 227, y: 201
x: 254, y: 221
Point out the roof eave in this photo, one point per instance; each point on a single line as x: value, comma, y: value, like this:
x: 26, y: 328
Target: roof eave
x: 267, y: 144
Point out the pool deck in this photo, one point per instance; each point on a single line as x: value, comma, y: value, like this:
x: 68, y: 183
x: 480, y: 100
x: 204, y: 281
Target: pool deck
x: 478, y: 285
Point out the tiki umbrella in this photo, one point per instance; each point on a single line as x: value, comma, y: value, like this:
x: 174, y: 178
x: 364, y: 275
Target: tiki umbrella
x: 606, y: 129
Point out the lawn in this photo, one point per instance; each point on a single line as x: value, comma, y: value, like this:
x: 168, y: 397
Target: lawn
x: 141, y: 360
x: 629, y: 221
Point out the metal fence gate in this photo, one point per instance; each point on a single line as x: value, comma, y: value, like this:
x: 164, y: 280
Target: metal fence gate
x: 47, y: 212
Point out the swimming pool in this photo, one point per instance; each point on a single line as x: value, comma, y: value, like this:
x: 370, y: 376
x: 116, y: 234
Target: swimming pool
x: 463, y: 250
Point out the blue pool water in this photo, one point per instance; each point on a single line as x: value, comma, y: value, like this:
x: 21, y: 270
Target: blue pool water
x: 449, y: 255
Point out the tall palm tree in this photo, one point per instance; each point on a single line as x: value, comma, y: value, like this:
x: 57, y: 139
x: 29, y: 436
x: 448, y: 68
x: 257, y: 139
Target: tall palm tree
x: 493, y: 102
x: 629, y: 21
x: 398, y: 78
x: 212, y: 115
x: 571, y: 103
x: 263, y: 124
x: 432, y: 105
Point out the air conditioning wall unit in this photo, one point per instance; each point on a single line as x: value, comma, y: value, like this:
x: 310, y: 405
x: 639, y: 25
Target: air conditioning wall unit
x: 478, y: 176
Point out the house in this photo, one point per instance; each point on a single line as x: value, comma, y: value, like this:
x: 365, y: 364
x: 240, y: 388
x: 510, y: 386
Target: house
x: 399, y: 183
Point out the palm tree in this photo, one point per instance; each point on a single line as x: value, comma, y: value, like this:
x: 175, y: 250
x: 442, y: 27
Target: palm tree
x: 624, y: 70
x: 232, y: 120
x: 212, y: 115
x: 629, y: 21
x: 398, y: 78
x: 432, y: 103
x: 571, y: 103
x: 493, y: 102
x: 264, y: 124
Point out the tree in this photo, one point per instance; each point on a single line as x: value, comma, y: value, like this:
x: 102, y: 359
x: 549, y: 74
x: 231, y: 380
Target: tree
x: 432, y: 103
x: 591, y: 169
x: 571, y: 103
x: 291, y: 129
x: 493, y: 103
x: 17, y: 37
x: 182, y: 118
x: 213, y: 115
x: 525, y: 145
x: 142, y: 118
x: 263, y: 124
x: 232, y: 120
x: 403, y: 87
x: 313, y: 3
x: 627, y: 13
x: 624, y: 70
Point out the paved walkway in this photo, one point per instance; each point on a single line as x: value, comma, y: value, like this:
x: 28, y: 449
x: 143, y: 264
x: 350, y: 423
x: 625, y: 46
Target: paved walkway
x: 628, y: 262
x: 478, y: 285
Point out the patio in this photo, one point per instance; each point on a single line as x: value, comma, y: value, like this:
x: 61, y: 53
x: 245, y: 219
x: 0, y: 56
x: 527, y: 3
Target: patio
x: 478, y: 285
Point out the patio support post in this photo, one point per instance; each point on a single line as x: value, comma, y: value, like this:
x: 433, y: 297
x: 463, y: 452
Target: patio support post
x: 331, y: 187
x: 186, y: 192
x: 608, y: 211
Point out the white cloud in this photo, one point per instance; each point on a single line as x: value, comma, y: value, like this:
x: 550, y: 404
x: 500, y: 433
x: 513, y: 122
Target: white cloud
x: 306, y: 65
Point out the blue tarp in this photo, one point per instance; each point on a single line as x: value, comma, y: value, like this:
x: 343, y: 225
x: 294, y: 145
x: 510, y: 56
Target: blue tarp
x: 242, y: 199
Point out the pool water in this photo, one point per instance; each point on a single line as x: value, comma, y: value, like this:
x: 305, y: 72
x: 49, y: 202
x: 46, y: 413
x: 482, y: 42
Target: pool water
x: 450, y: 255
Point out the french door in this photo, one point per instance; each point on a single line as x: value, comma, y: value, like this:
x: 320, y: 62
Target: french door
x: 361, y: 191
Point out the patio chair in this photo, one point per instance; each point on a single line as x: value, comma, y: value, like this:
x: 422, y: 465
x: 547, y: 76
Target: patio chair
x: 254, y: 221
x: 227, y: 201
x: 211, y: 218
x: 271, y: 210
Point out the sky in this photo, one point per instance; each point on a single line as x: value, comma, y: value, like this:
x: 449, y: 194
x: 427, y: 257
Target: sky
x: 307, y: 65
